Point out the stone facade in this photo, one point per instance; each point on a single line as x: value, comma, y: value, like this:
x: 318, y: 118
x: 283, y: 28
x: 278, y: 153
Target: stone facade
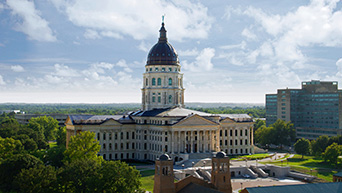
x: 163, y: 125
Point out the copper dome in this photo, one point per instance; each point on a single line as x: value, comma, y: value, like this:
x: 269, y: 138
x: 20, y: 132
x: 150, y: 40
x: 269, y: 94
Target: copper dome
x: 162, y: 53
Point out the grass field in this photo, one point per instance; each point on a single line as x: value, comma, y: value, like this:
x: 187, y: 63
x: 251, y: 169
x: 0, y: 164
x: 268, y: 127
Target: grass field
x: 310, y: 165
x: 147, y: 179
x: 252, y: 157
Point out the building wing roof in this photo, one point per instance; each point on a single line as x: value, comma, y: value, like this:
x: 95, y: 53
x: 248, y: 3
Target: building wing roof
x: 237, y: 117
x: 300, y: 188
x: 339, y: 174
x: 192, y: 187
x: 98, y: 119
x: 170, y: 112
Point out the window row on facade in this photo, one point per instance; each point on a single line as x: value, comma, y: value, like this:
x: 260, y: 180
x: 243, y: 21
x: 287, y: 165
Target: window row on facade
x: 157, y: 69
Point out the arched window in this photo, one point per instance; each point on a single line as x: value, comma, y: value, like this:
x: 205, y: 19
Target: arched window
x: 170, y: 98
x: 159, y: 81
x: 170, y: 81
x: 146, y: 82
x: 153, y: 81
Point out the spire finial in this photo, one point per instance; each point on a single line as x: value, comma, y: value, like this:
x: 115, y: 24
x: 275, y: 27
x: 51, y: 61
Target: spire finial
x: 163, y: 16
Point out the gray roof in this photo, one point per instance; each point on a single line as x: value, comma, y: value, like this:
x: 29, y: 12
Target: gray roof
x: 300, y: 188
x: 170, y: 112
x: 237, y: 117
x: 98, y: 119
x: 339, y: 174
x: 192, y: 187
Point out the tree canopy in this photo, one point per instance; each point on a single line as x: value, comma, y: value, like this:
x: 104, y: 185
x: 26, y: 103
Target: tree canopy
x: 302, y: 146
x: 83, y: 146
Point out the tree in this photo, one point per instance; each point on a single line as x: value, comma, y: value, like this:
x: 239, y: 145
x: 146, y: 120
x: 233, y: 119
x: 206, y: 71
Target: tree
x: 54, y: 156
x: 9, y: 147
x: 302, y: 146
x: 331, y: 153
x: 28, y: 143
x: 81, y: 146
x: 284, y: 132
x: 258, y: 124
x: 37, y: 179
x: 12, y: 166
x: 319, y: 145
x: 45, y: 125
x: 61, y: 136
x: 117, y: 176
x: 264, y: 135
x: 79, y: 175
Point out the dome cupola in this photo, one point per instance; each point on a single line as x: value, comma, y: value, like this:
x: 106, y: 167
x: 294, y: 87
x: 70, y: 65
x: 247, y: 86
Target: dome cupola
x: 162, y: 53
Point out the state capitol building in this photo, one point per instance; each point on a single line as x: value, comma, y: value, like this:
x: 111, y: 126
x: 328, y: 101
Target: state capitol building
x: 163, y: 124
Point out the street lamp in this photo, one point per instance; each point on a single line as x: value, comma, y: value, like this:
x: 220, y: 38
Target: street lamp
x: 241, y: 185
x: 256, y: 162
x: 203, y: 164
x: 193, y: 163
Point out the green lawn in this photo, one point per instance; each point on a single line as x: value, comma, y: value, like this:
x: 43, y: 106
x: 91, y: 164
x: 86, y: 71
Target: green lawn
x: 147, y: 179
x: 252, y: 157
x: 319, y: 168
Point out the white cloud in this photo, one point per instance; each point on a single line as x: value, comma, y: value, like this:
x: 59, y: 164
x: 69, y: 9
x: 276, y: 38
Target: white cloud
x: 91, y: 34
x: 248, y: 34
x: 2, y: 82
x: 242, y: 46
x: 143, y: 46
x: 339, y: 67
x: 202, y: 62
x: 17, y: 68
x: 138, y: 19
x: 318, y: 23
x: 192, y: 52
x: 31, y: 23
x: 65, y: 71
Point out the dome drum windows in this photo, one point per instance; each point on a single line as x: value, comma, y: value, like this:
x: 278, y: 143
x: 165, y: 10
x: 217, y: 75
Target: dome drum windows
x: 159, y: 81
x: 153, y: 81
x: 170, y: 81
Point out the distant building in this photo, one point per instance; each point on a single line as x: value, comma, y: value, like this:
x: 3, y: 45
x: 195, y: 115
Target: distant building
x: 25, y: 118
x: 315, y: 109
x: 9, y: 111
x: 164, y: 125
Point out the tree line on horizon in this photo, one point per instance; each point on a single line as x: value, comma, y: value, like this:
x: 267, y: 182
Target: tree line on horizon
x: 118, y: 109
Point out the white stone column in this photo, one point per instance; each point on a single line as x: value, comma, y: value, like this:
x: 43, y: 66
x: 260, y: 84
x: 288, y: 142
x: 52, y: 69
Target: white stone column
x: 173, y: 142
x: 210, y: 141
x: 198, y: 144
x: 192, y: 142
x: 179, y: 141
x: 205, y: 141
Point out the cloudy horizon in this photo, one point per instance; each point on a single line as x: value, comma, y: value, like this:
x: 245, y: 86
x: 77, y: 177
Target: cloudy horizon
x: 83, y: 51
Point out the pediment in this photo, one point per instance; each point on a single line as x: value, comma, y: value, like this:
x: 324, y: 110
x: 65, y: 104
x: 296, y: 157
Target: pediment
x: 195, y: 120
x: 227, y: 120
x: 111, y: 122
x: 68, y: 121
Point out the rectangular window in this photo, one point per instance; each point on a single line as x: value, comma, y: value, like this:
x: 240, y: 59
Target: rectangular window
x: 231, y: 132
x: 157, y: 69
x: 127, y: 135
x: 225, y: 132
x: 170, y: 69
x: 163, y: 69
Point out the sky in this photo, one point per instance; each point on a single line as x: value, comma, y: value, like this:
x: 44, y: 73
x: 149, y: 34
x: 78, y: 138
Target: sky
x: 86, y: 51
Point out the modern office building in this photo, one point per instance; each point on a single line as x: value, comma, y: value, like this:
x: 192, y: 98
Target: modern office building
x: 164, y: 125
x: 315, y: 109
